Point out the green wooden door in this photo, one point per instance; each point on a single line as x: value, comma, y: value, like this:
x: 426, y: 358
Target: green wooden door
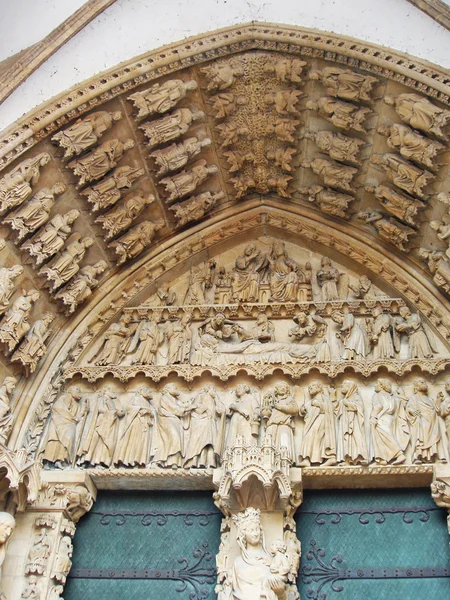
x: 373, y: 545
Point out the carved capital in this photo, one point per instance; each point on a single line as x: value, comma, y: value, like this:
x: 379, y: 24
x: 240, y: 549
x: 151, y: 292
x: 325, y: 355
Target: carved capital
x: 440, y: 488
x: 70, y: 492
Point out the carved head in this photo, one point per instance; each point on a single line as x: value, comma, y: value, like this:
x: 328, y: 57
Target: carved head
x: 191, y: 85
x: 282, y: 389
x: 325, y: 262
x: 389, y: 99
x: 7, y: 525
x: 9, y: 383
x: 250, y: 249
x: 349, y: 387
x: 44, y: 159
x: 16, y: 270
x: 278, y: 547
x: 116, y: 116
x: 241, y: 390
x: 420, y: 385
x: 128, y: 144
x: 279, y: 249
x: 75, y: 392
x: 33, y: 295
x: 315, y: 388
x: 72, y: 215
x: 314, y: 75
x: 87, y: 242
x: 301, y: 318
x: 145, y: 391
x: 377, y: 311
x: 58, y: 188
x: 383, y: 385
x: 404, y: 312
x: 249, y: 529
x: 100, y: 266
x: 171, y: 389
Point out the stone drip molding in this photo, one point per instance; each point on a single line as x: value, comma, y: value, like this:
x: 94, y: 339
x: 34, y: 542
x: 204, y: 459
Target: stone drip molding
x: 37, y: 125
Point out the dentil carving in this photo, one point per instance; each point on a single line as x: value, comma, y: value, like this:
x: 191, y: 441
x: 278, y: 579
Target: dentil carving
x: 186, y: 182
x: 135, y: 241
x: 80, y: 288
x: 175, y: 156
x: 97, y: 163
x: 346, y: 84
x: 195, y: 208
x: 64, y: 266
x: 420, y: 113
x: 17, y: 185
x: 32, y: 348
x: 161, y: 97
x: 121, y: 217
x: 108, y: 191
x: 49, y: 240
x: 15, y: 324
x: 170, y: 127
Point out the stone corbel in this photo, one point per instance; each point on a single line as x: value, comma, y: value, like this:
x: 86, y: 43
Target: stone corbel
x: 440, y: 488
x: 258, y: 491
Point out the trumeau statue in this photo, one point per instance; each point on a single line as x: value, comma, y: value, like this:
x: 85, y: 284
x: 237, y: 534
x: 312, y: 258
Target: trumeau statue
x: 397, y: 204
x: 17, y: 185
x: 98, y: 162
x: 404, y: 175
x: 136, y: 240
x: 7, y: 284
x: 161, y: 97
x: 420, y: 113
x: 175, y: 156
x: 109, y: 190
x: 338, y: 146
x: 329, y: 201
x: 388, y: 228
x: 412, y: 145
x: 14, y: 324
x: 121, y: 217
x: 346, y: 84
x: 170, y: 127
x: 343, y: 115
x: 35, y: 212
x: 32, y: 348
x: 332, y: 173
x: 49, y: 240
x: 85, y: 132
x: 64, y: 266
x: 186, y: 182
x: 195, y: 208
x: 6, y: 416
x: 80, y: 288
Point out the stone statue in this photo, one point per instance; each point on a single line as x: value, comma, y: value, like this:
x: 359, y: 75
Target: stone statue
x: 388, y: 228
x: 7, y: 283
x: 380, y: 332
x: 7, y: 526
x: 170, y: 127
x: 305, y: 326
x: 121, y: 217
x: 206, y: 425
x: 147, y: 339
x: 443, y: 231
x: 179, y: 338
x: 420, y: 113
x: 49, y: 240
x: 100, y: 430
x: 443, y: 409
x: 412, y: 145
x: 246, y: 275
x: 332, y: 173
x: 255, y: 575
x: 195, y: 208
x: 39, y: 553
x: 346, y: 84
x: 220, y: 76
x: 15, y: 324
x: 438, y: 266
x: 59, y: 443
x: 200, y: 279
x: 279, y: 418
x: 422, y: 414
x: 136, y: 240
x: 106, y: 192
x: 32, y: 348
x: 230, y: 133
x: 390, y: 432
x: 328, y: 280
x: 351, y: 335
x: 133, y: 440
x: 98, y: 162
x: 85, y: 132
x: 352, y: 445
x: 167, y: 441
x: 337, y: 146
x: 404, y: 175
x: 64, y: 266
x: 32, y: 590
x: 287, y: 69
x: 263, y: 331
x: 161, y: 97
x: 329, y: 201
x: 17, y: 185
x: 319, y: 435
x: 111, y: 350
x: 6, y: 417
x: 364, y: 288
x: 282, y: 157
x: 244, y: 413
x: 164, y: 296
x: 186, y: 182
x: 81, y: 286
x: 284, y: 275
x: 63, y: 564
x: 343, y: 115
x: 397, y: 204
x: 419, y: 342
x: 175, y: 156
x: 35, y: 212
x: 224, y: 105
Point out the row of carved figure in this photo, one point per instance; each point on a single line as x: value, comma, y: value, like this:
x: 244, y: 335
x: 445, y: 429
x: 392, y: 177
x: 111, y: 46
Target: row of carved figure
x: 224, y: 341
x: 328, y: 427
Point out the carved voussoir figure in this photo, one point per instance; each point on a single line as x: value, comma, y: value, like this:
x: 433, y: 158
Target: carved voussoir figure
x: 329, y: 201
x: 404, y: 175
x: 412, y: 145
x: 344, y: 115
x: 50, y: 239
x: 186, y: 182
x: 136, y: 240
x: 224, y: 105
x: 397, y: 204
x: 32, y: 348
x: 220, y: 76
x: 438, y: 266
x: 176, y: 156
x: 121, y: 217
x: 80, y: 288
x: 332, y: 173
x: 161, y: 97
x: 15, y: 324
x: 387, y: 228
x: 108, y: 191
x: 421, y: 113
x: 99, y: 161
x: 338, y: 146
x: 287, y: 69
x: 7, y: 285
x: 230, y: 133
x: 64, y: 266
x: 346, y: 84
x: 35, y: 212
x: 6, y: 416
x: 85, y: 132
x: 170, y: 127
x: 17, y: 185
x: 195, y: 208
